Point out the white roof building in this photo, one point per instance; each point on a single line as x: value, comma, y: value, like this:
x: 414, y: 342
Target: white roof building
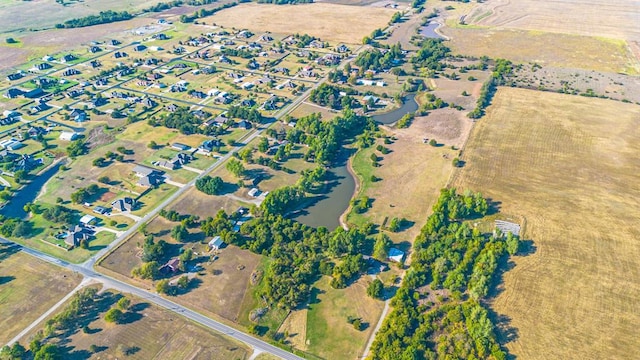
x: 87, y: 219
x: 396, y: 255
x: 216, y: 243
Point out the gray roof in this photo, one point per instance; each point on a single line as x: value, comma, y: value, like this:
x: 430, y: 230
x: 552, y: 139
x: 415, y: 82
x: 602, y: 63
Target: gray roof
x: 143, y: 170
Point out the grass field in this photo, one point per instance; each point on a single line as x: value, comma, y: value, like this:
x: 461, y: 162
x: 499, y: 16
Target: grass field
x: 328, y: 21
x: 150, y: 333
x: 552, y: 49
x: 612, y: 19
x: 568, y: 165
x: 421, y: 169
x: 329, y: 335
x: 28, y: 288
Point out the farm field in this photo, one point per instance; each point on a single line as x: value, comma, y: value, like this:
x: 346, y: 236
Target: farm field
x: 568, y: 166
x: 546, y: 48
x: 149, y: 332
x: 329, y: 22
x: 600, y: 18
x: 28, y: 288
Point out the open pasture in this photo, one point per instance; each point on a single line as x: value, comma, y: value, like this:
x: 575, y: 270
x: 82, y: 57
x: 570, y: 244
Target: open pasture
x: 328, y: 21
x: 568, y: 166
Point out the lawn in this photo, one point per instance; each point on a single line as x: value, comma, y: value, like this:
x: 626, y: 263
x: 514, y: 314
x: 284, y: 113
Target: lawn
x: 568, y: 166
x: 149, y: 332
x: 329, y: 335
x: 28, y: 288
x: 330, y: 22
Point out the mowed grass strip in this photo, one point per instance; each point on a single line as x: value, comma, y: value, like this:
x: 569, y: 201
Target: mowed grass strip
x: 569, y: 166
x: 28, y: 288
x: 330, y: 22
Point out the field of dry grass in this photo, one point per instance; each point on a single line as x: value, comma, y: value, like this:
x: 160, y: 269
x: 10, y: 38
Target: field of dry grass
x: 601, y: 18
x: 559, y: 50
x: 28, y: 288
x: 330, y: 22
x: 411, y: 175
x: 568, y: 166
x: 149, y: 333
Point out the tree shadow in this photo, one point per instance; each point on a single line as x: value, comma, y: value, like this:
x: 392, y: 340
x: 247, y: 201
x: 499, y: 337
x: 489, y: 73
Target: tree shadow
x: 6, y: 279
x: 313, y: 297
x: 8, y: 249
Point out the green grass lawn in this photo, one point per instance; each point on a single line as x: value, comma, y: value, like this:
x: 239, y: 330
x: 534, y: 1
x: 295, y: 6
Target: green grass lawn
x: 154, y: 197
x: 361, y: 164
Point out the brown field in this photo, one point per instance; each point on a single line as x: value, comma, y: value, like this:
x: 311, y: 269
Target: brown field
x: 329, y: 22
x: 602, y: 18
x: 155, y: 333
x: 197, y: 203
x: 421, y: 169
x: 558, y: 50
x: 28, y: 288
x: 568, y: 166
x: 447, y: 126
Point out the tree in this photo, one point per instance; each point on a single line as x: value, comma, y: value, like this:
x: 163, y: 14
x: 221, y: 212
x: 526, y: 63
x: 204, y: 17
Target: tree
x: 22, y: 229
x: 394, y: 225
x: 180, y: 233
x: 375, y: 289
x: 381, y: 247
x: 163, y: 287
x: 16, y: 352
x: 20, y: 176
x: 433, y: 142
x: 186, y: 256
x: 236, y: 168
x: 210, y: 185
x: 263, y: 145
x: 152, y: 145
x: 48, y: 352
x: 114, y: 315
x: 123, y: 303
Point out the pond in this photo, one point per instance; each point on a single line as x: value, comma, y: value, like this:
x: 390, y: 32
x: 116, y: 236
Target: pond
x: 15, y: 206
x: 429, y: 31
x: 327, y: 208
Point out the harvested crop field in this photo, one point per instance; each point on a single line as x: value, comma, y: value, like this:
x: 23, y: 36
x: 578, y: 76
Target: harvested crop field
x: 603, y: 18
x: 559, y: 50
x: 568, y: 166
x: 329, y: 22
x: 28, y: 288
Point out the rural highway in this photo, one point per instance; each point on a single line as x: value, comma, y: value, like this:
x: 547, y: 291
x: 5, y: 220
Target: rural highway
x: 86, y: 269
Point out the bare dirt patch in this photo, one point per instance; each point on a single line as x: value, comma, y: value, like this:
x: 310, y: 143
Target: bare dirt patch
x: 568, y: 165
x: 447, y: 126
x: 330, y: 22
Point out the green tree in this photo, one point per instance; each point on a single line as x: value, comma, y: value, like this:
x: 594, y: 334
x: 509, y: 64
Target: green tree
x: 48, y: 352
x: 263, y: 145
x: 124, y: 303
x: 114, y: 315
x: 152, y: 145
x: 394, y: 225
x: 180, y: 233
x: 210, y: 185
x: 236, y: 168
x: 381, y: 247
x: 375, y: 289
x: 20, y: 176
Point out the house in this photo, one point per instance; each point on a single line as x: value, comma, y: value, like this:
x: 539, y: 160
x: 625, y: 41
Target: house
x: 47, y: 58
x: 35, y: 93
x: 125, y: 204
x: 70, y: 72
x: 114, y: 42
x: 366, y: 99
x: 265, y: 38
x: 88, y: 220
x: 139, y: 47
x: 216, y: 243
x: 10, y: 114
x: 94, y: 49
x: 11, y: 144
x: 101, y: 210
x: 172, y: 107
x: 68, y: 57
x: 171, y: 265
x: 247, y: 102
x: 42, y: 66
x: 14, y: 76
x: 35, y: 131
x: 208, y: 145
x: 95, y: 64
x: 98, y: 101
x: 177, y: 161
x: 147, y: 102
x: 395, y: 255
x: 181, y: 147
x: 160, y: 36
x: 78, y: 115
x: 254, y: 192
x: 148, y: 176
x: 40, y: 107
x: 200, y: 114
x: 367, y: 82
x: 247, y: 85
x: 342, y: 48
x: 27, y: 162
x: 244, y: 124
x: 119, y: 54
x: 217, y: 121
x: 213, y: 92
x: 68, y: 136
x: 13, y: 93
x: 198, y: 94
x: 75, y: 235
x: 6, y: 155
x: 74, y: 93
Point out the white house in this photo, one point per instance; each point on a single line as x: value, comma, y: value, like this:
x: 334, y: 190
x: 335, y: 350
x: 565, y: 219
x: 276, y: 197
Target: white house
x: 87, y: 219
x: 68, y: 136
x: 395, y: 255
x: 216, y: 243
